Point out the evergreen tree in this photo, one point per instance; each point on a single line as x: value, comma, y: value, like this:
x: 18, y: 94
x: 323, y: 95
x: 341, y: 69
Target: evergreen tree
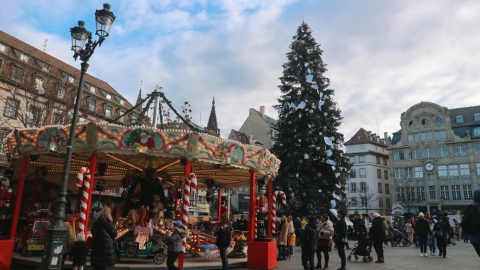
x: 307, y: 140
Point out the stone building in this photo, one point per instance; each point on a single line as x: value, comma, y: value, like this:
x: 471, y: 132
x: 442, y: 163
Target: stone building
x: 436, y: 158
x: 260, y: 127
x: 368, y: 188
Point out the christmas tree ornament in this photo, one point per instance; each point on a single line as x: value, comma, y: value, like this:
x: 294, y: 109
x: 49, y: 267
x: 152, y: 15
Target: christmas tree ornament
x: 297, y: 175
x: 328, y: 141
x: 306, y: 156
x: 325, y: 114
x: 317, y: 148
x: 301, y: 105
x: 306, y: 64
x: 329, y: 152
x: 309, y: 78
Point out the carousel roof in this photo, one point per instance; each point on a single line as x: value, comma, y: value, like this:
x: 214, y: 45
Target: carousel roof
x: 128, y: 150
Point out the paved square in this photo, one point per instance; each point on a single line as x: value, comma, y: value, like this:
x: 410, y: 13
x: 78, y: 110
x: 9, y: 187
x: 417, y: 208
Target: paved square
x: 459, y: 257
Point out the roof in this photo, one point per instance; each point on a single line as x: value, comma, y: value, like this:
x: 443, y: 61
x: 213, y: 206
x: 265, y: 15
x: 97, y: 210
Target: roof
x: 362, y: 137
x: 239, y: 136
x: 270, y: 121
x: 62, y: 66
x: 468, y: 116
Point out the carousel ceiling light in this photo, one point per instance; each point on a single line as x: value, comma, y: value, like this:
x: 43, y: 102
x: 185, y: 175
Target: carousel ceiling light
x: 124, y: 162
x: 168, y: 165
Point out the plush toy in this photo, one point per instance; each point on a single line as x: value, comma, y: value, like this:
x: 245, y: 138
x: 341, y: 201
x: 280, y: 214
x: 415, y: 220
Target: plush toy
x: 158, y: 209
x: 261, y: 208
x: 143, y: 216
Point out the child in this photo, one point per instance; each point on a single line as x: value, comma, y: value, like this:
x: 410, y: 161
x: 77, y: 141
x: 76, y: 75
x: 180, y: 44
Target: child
x: 78, y: 253
x: 241, y: 237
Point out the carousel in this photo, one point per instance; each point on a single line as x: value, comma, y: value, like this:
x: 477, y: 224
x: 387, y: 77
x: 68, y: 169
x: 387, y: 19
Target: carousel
x: 159, y: 170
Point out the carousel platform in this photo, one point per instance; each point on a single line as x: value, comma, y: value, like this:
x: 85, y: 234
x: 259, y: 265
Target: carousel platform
x: 20, y: 262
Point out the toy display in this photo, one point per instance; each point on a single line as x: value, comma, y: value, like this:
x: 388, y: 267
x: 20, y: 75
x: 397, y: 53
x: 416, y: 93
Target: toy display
x: 5, y: 196
x: 203, y: 242
x: 33, y: 237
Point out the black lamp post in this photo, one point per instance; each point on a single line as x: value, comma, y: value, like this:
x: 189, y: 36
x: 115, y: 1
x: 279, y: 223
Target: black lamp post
x: 56, y: 231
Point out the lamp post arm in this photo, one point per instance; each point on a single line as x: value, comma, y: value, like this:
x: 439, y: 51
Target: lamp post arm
x: 90, y: 47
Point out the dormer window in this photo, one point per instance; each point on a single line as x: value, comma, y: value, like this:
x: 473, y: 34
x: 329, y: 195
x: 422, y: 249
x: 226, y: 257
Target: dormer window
x: 476, y: 117
x: 459, y: 119
x: 61, y: 92
x: 122, y: 101
x: 108, y: 96
x: 24, y: 58
x: 93, y: 89
x: 71, y: 79
x: 3, y: 48
x: 40, y: 84
x: 43, y: 66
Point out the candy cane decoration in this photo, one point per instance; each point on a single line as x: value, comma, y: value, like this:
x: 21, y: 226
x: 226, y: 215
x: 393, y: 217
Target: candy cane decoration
x: 274, y: 207
x: 256, y: 214
x: 83, y: 179
x: 190, y: 185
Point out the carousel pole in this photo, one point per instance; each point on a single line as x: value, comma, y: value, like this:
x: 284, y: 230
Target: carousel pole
x: 251, y: 212
x: 34, y: 191
x: 18, y: 197
x: 270, y: 199
x: 188, y: 170
x: 219, y: 205
x: 228, y: 203
x: 93, y: 168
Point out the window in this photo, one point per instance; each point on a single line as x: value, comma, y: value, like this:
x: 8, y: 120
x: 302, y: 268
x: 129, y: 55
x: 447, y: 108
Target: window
x: 400, y: 194
x: 409, y: 173
x: 3, y: 48
x: 411, y: 124
x: 460, y: 150
x: 353, y: 187
x: 444, y: 193
x: 442, y: 172
x: 92, y: 105
x: 353, y: 201
x: 378, y: 160
x: 71, y: 79
x: 108, y: 96
x: 418, y: 172
x: 24, y: 58
x: 4, y: 133
x: 57, y: 119
x: 413, y: 137
x: 379, y: 174
x: 456, y: 194
x: 440, y: 135
x: 476, y: 132
x: 428, y: 152
x: 459, y: 119
x: 398, y: 155
x: 385, y: 160
x: 364, y: 201
x: 398, y: 173
x: 387, y: 202
x: 353, y: 173
x: 438, y: 121
x: 410, y: 138
x: 61, y: 92
x: 467, y: 192
x: 421, y: 193
x: 424, y: 122
x: 11, y: 108
x: 40, y: 84
x: 122, y: 118
x: 379, y: 187
x: 362, y: 159
x: 476, y: 117
x: 442, y: 151
x: 385, y: 174
x: 352, y: 160
x: 33, y: 115
x: 387, y: 189
x: 363, y: 173
x: 46, y: 67
x: 380, y: 202
x: 17, y: 73
x: 414, y: 154
x: 108, y: 111
x: 363, y: 186
x: 427, y: 136
x: 476, y: 148
x: 453, y: 171
x: 122, y: 101
x: 431, y: 192
x: 464, y: 170
x: 410, y: 193
x: 478, y: 169
x: 361, y: 147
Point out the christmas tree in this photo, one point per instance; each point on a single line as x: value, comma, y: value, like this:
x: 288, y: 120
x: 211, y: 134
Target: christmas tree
x: 307, y: 140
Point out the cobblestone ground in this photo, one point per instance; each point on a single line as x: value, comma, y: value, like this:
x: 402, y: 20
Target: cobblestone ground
x: 459, y: 257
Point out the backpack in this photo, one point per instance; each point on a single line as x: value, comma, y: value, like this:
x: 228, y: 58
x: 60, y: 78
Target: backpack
x: 471, y: 220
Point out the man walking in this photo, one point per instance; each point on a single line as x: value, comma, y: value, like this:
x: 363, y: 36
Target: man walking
x: 422, y: 231
x: 309, y: 244
x: 471, y: 220
x: 340, y: 237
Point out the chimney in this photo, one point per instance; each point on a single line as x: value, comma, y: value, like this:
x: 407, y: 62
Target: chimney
x: 250, y: 111
x: 385, y: 134
x: 262, y: 111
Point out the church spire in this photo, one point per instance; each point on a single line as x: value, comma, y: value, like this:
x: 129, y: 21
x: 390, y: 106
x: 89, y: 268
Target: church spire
x: 212, y: 125
x: 139, y: 99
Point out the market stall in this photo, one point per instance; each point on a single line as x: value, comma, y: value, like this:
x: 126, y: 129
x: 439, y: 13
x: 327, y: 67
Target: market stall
x: 147, y: 162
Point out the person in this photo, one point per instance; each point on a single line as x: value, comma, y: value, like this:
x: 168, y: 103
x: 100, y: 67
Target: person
x: 103, y: 233
x: 282, y: 238
x: 433, y: 240
x: 78, y: 252
x: 69, y: 238
x: 324, y: 241
x: 377, y: 234
x: 360, y: 228
x: 441, y: 233
x: 446, y: 220
x: 475, y: 237
x: 409, y: 231
x: 224, y: 238
x: 422, y: 231
x: 174, y: 243
x: 243, y: 224
x: 291, y: 235
x: 389, y: 236
x: 241, y: 237
x: 297, y: 224
x: 309, y: 244
x: 350, y: 232
x: 304, y: 223
x: 340, y: 237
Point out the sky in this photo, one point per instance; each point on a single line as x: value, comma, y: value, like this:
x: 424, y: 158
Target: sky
x: 383, y: 56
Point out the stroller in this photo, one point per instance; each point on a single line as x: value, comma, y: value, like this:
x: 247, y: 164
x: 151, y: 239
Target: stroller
x: 363, y: 248
x: 400, y: 239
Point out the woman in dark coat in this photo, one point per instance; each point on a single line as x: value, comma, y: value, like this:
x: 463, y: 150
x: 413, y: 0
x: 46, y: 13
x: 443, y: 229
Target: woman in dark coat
x: 440, y: 231
x: 224, y: 238
x: 377, y: 234
x: 103, y: 233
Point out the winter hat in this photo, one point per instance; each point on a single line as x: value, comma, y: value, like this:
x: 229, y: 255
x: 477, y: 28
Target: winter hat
x: 311, y: 219
x: 80, y: 236
x: 375, y: 215
x: 178, y: 223
x: 439, y: 216
x: 421, y: 214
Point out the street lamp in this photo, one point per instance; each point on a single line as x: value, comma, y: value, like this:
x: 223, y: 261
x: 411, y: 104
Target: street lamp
x: 56, y: 231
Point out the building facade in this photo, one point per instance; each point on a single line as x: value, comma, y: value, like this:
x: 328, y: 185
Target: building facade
x: 436, y: 158
x: 369, y: 188
x: 259, y: 127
